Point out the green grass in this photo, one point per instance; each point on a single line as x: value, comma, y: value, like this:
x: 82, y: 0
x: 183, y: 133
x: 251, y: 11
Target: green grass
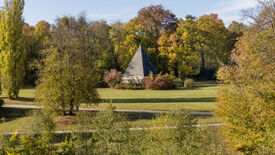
x: 200, y: 98
x: 13, y: 119
x: 18, y: 119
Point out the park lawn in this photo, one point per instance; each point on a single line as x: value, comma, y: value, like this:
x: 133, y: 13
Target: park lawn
x: 200, y: 98
x: 18, y: 119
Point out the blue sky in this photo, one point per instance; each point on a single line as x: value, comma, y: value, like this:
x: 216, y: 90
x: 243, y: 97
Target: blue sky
x: 123, y: 10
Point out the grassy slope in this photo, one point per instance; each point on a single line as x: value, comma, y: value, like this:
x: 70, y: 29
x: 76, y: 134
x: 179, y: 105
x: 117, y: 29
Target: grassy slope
x: 200, y: 98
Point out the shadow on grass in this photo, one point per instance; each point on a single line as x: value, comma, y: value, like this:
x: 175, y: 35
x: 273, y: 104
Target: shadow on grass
x: 11, y: 114
x: 159, y: 100
x: 198, y: 87
x: 22, y: 99
x: 19, y: 100
x: 25, y: 99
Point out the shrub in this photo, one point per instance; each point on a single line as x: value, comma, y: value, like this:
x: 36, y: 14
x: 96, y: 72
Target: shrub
x: 178, y: 82
x: 38, y: 143
x: 160, y: 82
x: 113, y: 77
x: 129, y: 86
x: 1, y: 103
x: 110, y: 136
x: 182, y: 138
x: 189, y: 83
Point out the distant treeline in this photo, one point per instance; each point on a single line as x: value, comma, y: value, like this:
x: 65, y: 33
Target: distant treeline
x: 189, y: 47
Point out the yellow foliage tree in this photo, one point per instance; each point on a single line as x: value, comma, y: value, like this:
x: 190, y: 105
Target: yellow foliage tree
x: 12, y: 56
x: 246, y: 100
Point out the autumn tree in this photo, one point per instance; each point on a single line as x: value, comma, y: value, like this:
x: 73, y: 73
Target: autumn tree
x: 101, y: 44
x: 67, y: 78
x: 12, y: 52
x: 145, y: 29
x: 214, y: 41
x: 179, y: 49
x: 42, y: 29
x: 30, y: 45
x: 117, y: 37
x: 34, y: 41
x: 246, y: 99
x: 236, y: 30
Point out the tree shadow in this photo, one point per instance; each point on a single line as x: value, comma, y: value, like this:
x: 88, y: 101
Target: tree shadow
x: 198, y: 87
x: 10, y: 114
x: 159, y: 100
x: 25, y: 99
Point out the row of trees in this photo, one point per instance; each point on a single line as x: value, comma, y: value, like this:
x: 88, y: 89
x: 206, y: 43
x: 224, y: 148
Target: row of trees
x: 70, y: 58
x: 180, y: 47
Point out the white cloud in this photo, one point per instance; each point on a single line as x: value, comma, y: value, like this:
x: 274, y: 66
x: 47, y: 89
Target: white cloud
x: 230, y: 10
x: 235, y: 5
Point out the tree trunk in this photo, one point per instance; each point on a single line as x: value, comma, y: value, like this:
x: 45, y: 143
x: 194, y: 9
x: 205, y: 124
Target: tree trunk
x: 71, y: 108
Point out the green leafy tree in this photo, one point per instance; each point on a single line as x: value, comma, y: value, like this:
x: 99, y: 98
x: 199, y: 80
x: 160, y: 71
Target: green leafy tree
x: 12, y: 52
x: 117, y: 36
x: 214, y: 41
x: 42, y: 30
x: 179, y: 48
x: 236, y: 30
x: 35, y: 38
x: 101, y: 44
x: 246, y: 99
x: 67, y: 77
x: 31, y: 47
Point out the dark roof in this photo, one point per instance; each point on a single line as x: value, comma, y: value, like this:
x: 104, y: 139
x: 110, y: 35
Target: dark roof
x: 140, y: 65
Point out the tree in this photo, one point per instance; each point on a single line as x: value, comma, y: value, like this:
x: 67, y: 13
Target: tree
x: 42, y: 30
x: 236, y: 30
x: 214, y: 41
x: 145, y: 29
x: 67, y: 77
x: 246, y: 99
x: 117, y: 37
x: 101, y: 44
x: 30, y: 44
x: 11, y: 46
x: 179, y: 48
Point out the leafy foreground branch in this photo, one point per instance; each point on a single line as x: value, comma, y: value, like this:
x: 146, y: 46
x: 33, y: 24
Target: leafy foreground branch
x: 112, y: 135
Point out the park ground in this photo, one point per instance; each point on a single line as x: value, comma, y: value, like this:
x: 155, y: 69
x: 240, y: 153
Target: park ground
x: 200, y: 98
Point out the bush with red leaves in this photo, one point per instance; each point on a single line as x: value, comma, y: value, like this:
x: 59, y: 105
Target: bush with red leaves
x: 113, y: 77
x: 160, y: 82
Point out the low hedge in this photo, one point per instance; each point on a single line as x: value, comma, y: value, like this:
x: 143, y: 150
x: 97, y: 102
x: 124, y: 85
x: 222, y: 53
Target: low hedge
x: 129, y: 86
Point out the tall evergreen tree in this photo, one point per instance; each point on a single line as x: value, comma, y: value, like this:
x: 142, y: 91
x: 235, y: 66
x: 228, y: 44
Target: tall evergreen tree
x: 12, y: 52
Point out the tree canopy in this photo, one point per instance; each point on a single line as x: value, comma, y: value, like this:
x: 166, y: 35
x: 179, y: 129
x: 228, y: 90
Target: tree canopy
x: 67, y: 77
x: 11, y: 45
x: 246, y: 100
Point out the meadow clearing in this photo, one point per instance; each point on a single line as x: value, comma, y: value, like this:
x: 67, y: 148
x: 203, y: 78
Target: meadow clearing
x: 199, y: 98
